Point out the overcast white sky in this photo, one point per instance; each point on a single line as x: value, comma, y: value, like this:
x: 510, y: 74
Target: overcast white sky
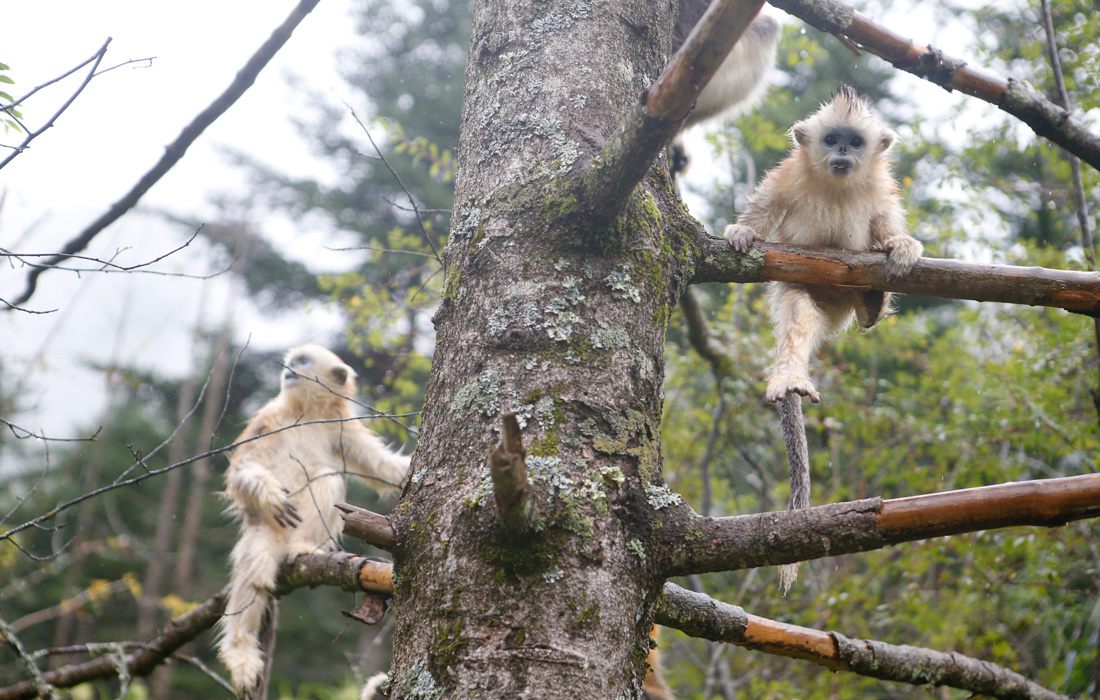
x: 110, y: 136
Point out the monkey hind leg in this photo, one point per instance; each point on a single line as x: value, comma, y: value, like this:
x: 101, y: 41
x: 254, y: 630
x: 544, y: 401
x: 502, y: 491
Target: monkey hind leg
x: 248, y: 605
x: 874, y: 305
x: 800, y: 328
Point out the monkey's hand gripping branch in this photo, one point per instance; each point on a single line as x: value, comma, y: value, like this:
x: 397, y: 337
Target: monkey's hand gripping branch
x: 631, y: 151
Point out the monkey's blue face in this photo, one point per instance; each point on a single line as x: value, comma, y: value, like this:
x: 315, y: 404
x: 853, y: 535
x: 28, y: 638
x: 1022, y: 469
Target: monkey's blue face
x: 296, y: 365
x: 843, y: 147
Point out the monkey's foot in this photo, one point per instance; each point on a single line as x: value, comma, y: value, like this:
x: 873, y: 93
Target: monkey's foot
x: 779, y: 385
x: 902, y: 253
x: 740, y: 237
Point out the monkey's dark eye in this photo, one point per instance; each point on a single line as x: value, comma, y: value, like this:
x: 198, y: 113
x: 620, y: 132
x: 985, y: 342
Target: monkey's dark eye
x: 830, y: 140
x: 856, y: 142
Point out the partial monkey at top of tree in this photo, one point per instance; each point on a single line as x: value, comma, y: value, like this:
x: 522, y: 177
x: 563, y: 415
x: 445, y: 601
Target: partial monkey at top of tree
x: 739, y: 82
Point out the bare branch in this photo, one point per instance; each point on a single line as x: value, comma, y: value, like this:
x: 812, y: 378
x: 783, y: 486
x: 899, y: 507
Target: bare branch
x: 176, y: 150
x: 693, y: 544
x: 109, y: 266
x: 20, y: 433
x: 1018, y: 99
x: 40, y: 685
x: 13, y: 307
x: 340, y: 569
x: 631, y: 151
x: 366, y: 525
x: 702, y: 616
x: 95, y: 60
x: 1072, y: 290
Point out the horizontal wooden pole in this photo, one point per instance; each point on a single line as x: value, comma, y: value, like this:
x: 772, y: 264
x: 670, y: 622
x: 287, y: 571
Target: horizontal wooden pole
x: 697, y: 545
x: 1072, y: 290
x: 1048, y: 502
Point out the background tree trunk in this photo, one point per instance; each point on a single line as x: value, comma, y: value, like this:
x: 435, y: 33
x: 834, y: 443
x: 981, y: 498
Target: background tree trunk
x: 564, y: 327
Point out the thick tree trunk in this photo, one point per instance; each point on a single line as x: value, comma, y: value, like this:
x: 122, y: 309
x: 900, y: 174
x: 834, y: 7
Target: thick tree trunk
x: 563, y: 326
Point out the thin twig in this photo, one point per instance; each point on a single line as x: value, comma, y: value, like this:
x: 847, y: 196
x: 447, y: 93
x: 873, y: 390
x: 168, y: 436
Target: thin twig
x: 400, y: 183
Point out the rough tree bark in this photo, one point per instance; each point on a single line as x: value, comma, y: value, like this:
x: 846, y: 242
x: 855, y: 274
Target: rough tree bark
x: 561, y: 322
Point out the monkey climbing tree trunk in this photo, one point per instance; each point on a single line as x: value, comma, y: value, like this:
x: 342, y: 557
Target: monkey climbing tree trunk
x: 561, y: 322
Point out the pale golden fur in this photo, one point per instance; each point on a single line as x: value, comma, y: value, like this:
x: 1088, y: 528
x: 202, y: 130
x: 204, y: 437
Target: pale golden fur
x: 284, y: 486
x: 802, y: 202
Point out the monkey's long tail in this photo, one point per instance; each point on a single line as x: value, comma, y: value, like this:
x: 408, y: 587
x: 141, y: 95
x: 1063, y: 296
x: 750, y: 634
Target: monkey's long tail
x: 798, y: 458
x: 249, y: 604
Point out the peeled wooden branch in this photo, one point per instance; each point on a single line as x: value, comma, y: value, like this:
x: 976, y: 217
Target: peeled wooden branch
x: 1036, y: 286
x: 630, y: 152
x: 1018, y: 99
x: 702, y: 616
x: 367, y: 525
x: 697, y: 545
x: 346, y: 571
x: 508, y: 469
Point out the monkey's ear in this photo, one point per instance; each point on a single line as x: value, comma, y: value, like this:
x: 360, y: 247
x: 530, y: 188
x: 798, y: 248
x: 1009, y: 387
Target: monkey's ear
x: 800, y: 134
x: 886, y: 140
x: 340, y: 374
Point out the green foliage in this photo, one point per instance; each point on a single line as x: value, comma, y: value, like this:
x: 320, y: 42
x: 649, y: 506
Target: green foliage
x: 8, y: 115
x: 941, y: 396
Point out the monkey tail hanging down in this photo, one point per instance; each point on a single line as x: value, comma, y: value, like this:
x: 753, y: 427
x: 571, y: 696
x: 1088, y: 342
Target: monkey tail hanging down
x: 835, y: 189
x: 283, y: 487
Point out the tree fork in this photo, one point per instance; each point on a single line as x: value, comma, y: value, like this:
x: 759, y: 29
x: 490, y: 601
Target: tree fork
x: 511, y: 491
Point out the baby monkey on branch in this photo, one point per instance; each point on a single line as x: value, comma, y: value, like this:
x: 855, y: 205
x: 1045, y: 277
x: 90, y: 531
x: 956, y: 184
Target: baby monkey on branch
x: 835, y: 189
